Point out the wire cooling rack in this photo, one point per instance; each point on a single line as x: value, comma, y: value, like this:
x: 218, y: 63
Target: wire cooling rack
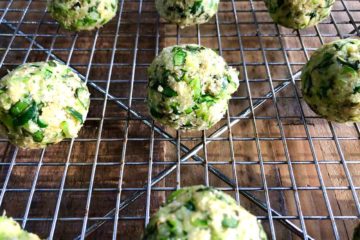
x: 297, y: 172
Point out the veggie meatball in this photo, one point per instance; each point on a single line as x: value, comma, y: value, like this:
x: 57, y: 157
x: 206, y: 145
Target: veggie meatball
x: 11, y: 230
x: 187, y: 12
x: 78, y: 15
x: 331, y: 81
x: 189, y: 87
x: 299, y: 14
x: 42, y: 103
x: 199, y: 213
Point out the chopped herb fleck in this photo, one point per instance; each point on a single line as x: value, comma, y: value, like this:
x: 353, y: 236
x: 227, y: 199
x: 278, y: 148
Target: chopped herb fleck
x: 75, y: 114
x: 196, y: 7
x: 155, y: 113
x: 52, y: 63
x: 356, y: 89
x: 229, y: 222
x: 20, y: 106
x: 169, y: 92
x: 179, y: 56
x: 355, y: 65
x: 38, y: 136
x: 191, y: 48
x: 26, y: 116
x: 200, y: 223
x: 41, y: 123
x: 190, y: 206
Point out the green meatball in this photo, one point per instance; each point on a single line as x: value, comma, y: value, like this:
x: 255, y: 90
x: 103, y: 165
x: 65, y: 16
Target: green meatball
x: 187, y: 12
x: 42, y: 103
x: 78, y: 15
x: 331, y: 81
x: 299, y: 14
x: 189, y: 87
x: 202, y: 213
x: 11, y: 230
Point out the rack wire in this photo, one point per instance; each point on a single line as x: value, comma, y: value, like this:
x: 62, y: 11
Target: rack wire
x: 297, y: 172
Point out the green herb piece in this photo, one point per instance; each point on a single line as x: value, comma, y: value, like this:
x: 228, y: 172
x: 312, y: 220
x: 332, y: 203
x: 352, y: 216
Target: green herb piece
x: 349, y: 71
x: 326, y: 61
x: 338, y: 45
x: 171, y: 223
x: 26, y: 116
x: 167, y: 91
x: 355, y: 65
x: 356, y: 89
x: 20, y: 107
x: 38, y: 136
x: 179, y: 57
x: 174, y: 227
x: 3, y: 90
x: 76, y: 5
x: 194, y: 48
x: 78, y: 116
x: 65, y: 129
x: 200, y: 222
x: 87, y: 21
x: 165, y: 76
x: 190, y: 206
x: 196, y: 7
x: 312, y: 14
x: 307, y: 83
x: 189, y: 110
x: 173, y: 195
x: 229, y: 222
x: 7, y: 121
x: 207, y: 99
x: 196, y: 87
x: 52, y: 63
x: 225, y: 81
x: 323, y: 91
x: 155, y: 113
x: 48, y: 73
x: 175, y: 107
x: 82, y: 95
x: 181, y: 78
x: 35, y: 65
x: 41, y: 123
x: 187, y: 125
x: 205, y: 189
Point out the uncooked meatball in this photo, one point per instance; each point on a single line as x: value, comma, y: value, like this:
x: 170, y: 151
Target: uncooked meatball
x: 299, y: 14
x: 11, y: 230
x: 42, y: 103
x: 78, y: 15
x: 187, y: 12
x: 202, y: 213
x: 331, y: 81
x: 190, y: 87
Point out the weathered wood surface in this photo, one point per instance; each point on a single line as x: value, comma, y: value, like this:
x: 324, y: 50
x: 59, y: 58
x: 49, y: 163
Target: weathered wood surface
x: 248, y: 171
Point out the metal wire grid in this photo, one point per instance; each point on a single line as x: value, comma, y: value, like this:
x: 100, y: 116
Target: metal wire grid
x: 242, y: 29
